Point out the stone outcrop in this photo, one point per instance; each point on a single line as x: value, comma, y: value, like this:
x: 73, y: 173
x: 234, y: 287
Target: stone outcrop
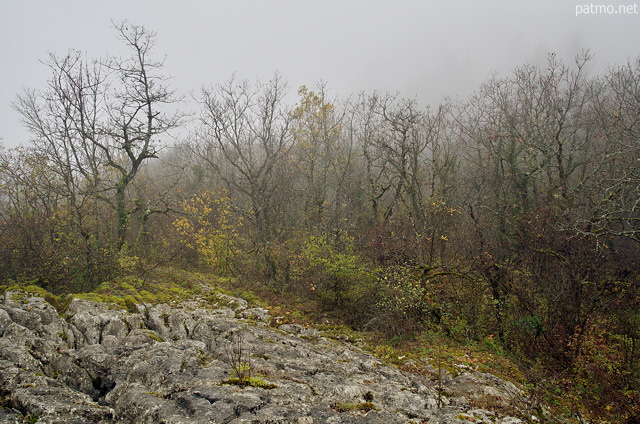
x: 169, y: 364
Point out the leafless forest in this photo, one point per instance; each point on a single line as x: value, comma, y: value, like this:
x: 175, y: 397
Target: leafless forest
x: 511, y: 215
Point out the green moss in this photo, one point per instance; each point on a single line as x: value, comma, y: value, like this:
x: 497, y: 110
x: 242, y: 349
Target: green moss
x: 22, y: 293
x: 261, y: 355
x: 249, y: 297
x: 340, y: 332
x: 147, y: 297
x: 154, y: 336
x: 103, y: 298
x: 164, y: 298
x: 203, y: 358
x: 178, y: 291
x: 250, y: 381
x: 60, y: 303
x: 386, y: 353
x: 128, y: 291
x: 130, y: 302
x: 125, y: 286
x: 162, y: 286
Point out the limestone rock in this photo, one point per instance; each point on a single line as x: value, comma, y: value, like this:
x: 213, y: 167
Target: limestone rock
x: 171, y: 364
x: 257, y: 314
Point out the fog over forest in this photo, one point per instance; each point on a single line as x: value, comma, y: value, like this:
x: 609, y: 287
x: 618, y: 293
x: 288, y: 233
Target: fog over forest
x: 502, y: 212
x: 424, y: 50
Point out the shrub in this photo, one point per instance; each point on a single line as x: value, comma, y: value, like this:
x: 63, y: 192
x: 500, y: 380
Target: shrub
x: 210, y: 227
x: 331, y: 272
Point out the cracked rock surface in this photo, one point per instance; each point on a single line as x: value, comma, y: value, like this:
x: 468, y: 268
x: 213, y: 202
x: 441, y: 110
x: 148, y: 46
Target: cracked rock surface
x: 167, y: 364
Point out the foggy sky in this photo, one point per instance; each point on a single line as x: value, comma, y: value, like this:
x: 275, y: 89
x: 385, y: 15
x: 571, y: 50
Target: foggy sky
x: 419, y: 48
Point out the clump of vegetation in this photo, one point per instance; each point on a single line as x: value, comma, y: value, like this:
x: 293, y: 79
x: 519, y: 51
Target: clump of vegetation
x: 341, y: 332
x: 60, y: 302
x: 130, y: 302
x: 162, y: 285
x: 32, y: 418
x: 210, y: 227
x: 250, y: 382
x: 156, y: 394
x: 240, y: 358
x: 154, y: 336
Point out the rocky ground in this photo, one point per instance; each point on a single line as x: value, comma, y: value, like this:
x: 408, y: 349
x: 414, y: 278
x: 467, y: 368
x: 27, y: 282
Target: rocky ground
x: 98, y: 363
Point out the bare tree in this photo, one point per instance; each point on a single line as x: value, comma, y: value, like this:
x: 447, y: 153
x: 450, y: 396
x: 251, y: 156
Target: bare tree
x: 135, y: 119
x: 64, y: 120
x: 100, y: 121
x: 244, y: 138
x: 406, y: 161
x: 366, y: 129
x: 323, y: 155
x: 32, y: 218
x: 536, y: 150
x: 613, y: 208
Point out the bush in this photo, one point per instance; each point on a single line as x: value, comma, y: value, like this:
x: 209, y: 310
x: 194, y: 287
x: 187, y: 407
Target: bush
x: 210, y: 227
x: 333, y: 272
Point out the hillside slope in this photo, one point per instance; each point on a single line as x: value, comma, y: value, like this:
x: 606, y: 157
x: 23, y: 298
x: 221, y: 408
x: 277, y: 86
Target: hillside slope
x: 178, y: 364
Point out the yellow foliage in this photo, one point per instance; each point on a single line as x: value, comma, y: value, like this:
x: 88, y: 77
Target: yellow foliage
x: 211, y: 228
x: 127, y: 261
x: 315, y: 124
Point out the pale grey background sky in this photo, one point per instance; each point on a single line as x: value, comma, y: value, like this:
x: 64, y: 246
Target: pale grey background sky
x: 420, y: 48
